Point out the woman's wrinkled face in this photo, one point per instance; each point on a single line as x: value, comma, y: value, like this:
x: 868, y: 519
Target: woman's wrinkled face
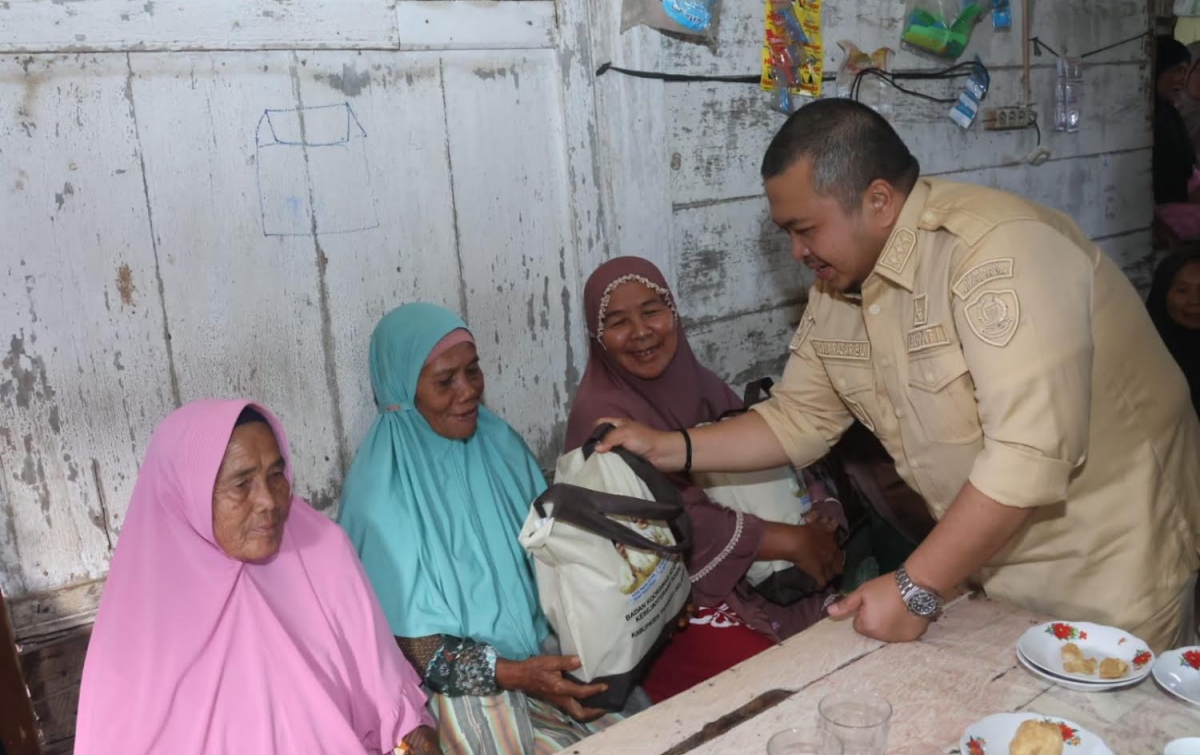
x: 1183, y: 298
x: 252, y: 495
x: 450, y: 390
x: 639, y: 330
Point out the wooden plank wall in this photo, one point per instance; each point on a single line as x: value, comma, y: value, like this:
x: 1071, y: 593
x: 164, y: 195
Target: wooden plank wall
x: 146, y: 266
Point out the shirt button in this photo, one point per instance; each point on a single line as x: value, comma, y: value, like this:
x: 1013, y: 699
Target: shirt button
x: 874, y: 309
x: 886, y: 361
x: 928, y: 376
x: 899, y: 413
x: 927, y: 217
x: 841, y: 382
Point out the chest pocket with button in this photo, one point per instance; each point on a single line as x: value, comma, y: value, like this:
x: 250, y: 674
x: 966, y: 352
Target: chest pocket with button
x: 943, y: 396
x: 855, y: 385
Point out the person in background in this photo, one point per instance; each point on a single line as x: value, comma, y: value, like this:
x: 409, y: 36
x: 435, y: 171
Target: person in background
x: 1007, y: 365
x: 1188, y: 100
x: 235, y: 618
x: 1174, y: 158
x: 641, y: 365
x: 433, y: 502
x: 1174, y: 305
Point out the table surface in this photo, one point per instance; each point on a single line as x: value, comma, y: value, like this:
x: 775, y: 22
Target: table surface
x: 964, y: 669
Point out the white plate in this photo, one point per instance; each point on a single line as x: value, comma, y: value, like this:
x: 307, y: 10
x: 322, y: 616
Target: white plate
x: 1042, y: 646
x: 992, y: 735
x: 1178, y: 672
x: 1186, y: 746
x: 1077, y: 686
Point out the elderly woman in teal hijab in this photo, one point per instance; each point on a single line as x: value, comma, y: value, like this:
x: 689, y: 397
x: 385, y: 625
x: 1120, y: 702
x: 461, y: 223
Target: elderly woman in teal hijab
x: 433, y: 503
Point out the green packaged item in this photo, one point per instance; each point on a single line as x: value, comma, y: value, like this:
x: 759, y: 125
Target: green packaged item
x: 941, y: 28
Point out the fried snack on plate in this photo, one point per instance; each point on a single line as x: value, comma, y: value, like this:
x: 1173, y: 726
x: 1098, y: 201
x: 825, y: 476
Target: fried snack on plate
x: 1113, y: 668
x: 1036, y: 738
x: 1074, y: 662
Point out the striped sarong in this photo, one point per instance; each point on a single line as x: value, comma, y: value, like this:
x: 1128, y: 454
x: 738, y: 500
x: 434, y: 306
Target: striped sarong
x: 510, y: 723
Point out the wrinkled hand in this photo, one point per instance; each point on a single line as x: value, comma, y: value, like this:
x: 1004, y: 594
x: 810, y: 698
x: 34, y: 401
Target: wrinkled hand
x: 423, y: 741
x: 821, y: 521
x: 818, y: 554
x: 684, y: 619
x: 879, y: 612
x: 542, y: 677
x: 575, y: 710
x: 665, y: 450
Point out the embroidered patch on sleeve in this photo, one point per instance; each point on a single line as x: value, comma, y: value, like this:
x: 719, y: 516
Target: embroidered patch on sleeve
x: 858, y: 351
x: 993, y: 316
x: 807, y: 321
x: 920, y: 339
x: 984, y: 272
x: 920, y: 310
x: 895, y: 258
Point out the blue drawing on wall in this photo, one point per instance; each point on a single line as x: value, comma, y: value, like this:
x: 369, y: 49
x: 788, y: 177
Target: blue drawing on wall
x: 313, y: 172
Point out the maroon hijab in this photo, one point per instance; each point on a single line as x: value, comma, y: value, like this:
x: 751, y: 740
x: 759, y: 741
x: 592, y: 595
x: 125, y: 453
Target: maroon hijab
x: 683, y: 396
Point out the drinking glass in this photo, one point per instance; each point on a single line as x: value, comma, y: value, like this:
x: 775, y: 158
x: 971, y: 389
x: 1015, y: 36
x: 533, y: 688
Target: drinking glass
x: 804, y: 742
x: 858, y: 719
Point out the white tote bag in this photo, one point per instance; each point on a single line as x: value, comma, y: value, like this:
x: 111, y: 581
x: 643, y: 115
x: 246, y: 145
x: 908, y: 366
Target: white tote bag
x: 773, y: 495
x: 609, y: 568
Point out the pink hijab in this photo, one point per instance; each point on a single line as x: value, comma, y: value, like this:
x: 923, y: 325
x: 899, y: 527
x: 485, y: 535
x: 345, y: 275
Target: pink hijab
x: 682, y: 397
x: 194, y: 652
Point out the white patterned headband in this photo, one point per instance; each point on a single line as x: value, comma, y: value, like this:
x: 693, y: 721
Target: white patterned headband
x: 608, y: 291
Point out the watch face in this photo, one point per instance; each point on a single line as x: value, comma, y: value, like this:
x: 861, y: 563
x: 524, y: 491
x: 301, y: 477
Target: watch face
x: 924, y: 604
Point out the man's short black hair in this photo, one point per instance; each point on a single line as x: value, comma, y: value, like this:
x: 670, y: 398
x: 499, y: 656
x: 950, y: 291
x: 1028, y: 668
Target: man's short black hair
x: 850, y: 146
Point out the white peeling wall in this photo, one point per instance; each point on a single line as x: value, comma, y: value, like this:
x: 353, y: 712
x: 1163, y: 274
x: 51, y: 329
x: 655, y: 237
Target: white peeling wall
x: 233, y: 219
x: 735, y: 275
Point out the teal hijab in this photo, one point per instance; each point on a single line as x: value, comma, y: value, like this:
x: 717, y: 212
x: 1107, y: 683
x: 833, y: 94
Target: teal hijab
x: 434, y: 520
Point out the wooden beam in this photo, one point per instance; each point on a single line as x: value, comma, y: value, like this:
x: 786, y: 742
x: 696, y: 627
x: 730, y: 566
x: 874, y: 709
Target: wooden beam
x: 18, y: 732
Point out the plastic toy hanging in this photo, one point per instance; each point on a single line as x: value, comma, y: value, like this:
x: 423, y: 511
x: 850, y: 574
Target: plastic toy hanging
x: 793, y: 59
x: 941, y: 28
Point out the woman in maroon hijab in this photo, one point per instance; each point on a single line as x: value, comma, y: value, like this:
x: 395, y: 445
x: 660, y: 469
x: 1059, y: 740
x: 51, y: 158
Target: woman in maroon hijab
x: 640, y: 366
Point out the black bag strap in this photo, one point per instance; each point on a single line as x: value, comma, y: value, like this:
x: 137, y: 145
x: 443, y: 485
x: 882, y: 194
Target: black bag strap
x: 591, y: 509
x: 756, y: 392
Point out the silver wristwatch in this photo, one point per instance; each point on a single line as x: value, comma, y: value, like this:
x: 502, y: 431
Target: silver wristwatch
x: 920, y: 601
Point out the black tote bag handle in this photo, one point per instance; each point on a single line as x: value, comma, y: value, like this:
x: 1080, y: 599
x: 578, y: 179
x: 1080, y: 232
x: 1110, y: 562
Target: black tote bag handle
x: 591, y: 509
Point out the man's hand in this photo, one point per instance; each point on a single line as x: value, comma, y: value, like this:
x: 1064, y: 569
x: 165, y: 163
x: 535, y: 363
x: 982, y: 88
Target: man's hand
x: 879, y: 612
x: 666, y: 451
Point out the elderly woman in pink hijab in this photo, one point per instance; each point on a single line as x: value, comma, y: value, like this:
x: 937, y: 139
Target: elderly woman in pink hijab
x: 236, y: 618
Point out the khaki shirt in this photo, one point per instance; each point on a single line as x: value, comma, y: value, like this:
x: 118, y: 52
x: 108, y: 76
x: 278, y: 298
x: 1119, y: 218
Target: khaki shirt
x: 994, y: 343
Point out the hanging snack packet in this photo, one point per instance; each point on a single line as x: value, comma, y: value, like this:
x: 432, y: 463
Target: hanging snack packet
x: 696, y: 18
x: 1001, y: 15
x: 941, y: 28
x: 870, y: 90
x: 964, y: 111
x: 793, y: 57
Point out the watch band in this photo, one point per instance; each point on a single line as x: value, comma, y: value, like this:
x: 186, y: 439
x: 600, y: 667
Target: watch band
x: 919, y: 600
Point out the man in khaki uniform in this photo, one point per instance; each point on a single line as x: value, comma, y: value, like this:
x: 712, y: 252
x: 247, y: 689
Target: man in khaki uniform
x: 1007, y: 365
